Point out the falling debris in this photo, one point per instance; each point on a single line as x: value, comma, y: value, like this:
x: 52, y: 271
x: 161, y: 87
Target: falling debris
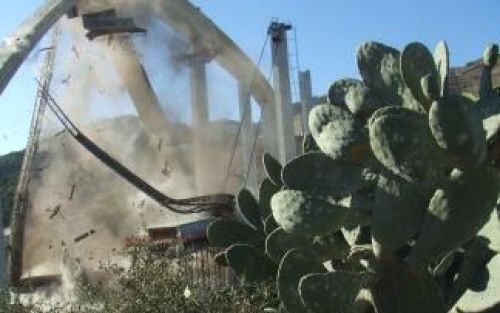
x: 60, y: 133
x: 166, y: 171
x: 56, y: 211
x: 66, y: 80
x: 46, y: 49
x: 160, y: 142
x: 107, y: 23
x: 84, y: 235
x: 72, y: 192
x: 75, y: 51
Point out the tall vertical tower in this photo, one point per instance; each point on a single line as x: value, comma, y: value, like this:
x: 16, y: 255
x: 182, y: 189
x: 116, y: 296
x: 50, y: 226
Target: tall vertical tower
x: 305, y: 99
x: 283, y: 96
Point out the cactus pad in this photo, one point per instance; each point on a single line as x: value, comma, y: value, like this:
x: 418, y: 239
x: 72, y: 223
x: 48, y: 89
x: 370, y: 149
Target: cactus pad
x: 401, y: 290
x: 398, y: 214
x: 279, y: 242
x: 223, y: 233
x: 338, y: 133
x: 457, y: 127
x: 379, y: 67
x: 456, y: 213
x: 417, y: 62
x: 302, y: 213
x: 273, y: 169
x: 430, y: 88
x: 442, y: 61
x: 249, y: 208
x: 395, y: 145
x: 361, y: 101
x: 250, y: 263
x: 490, y: 55
x: 339, y: 89
x: 266, y: 192
x: 294, y: 265
x: 319, y: 174
x: 330, y: 292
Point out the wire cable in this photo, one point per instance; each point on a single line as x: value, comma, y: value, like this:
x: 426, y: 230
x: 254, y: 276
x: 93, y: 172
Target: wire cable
x: 181, y: 206
x: 257, y: 132
x: 245, y: 111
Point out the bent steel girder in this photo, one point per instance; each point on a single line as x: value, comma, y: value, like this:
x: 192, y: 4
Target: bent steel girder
x: 15, y: 48
x: 207, y: 37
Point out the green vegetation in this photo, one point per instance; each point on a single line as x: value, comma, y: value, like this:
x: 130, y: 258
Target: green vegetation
x: 10, y: 165
x: 393, y: 205
x: 152, y: 284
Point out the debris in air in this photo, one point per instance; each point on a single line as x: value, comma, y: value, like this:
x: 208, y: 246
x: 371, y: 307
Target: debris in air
x: 84, y: 235
x: 55, y: 212
x: 72, y: 192
x: 160, y: 142
x: 166, y: 171
x: 108, y: 23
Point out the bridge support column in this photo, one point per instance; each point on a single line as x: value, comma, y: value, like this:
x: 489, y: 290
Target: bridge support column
x: 283, y: 96
x: 135, y: 79
x: 247, y: 137
x: 200, y: 119
x: 305, y: 99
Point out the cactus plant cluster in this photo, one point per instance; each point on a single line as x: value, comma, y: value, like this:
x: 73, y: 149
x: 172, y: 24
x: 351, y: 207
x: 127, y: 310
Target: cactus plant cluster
x: 393, y: 205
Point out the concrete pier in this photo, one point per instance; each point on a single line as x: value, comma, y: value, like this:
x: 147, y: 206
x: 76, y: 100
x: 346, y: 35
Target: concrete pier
x: 305, y: 99
x: 199, y: 120
x: 283, y: 96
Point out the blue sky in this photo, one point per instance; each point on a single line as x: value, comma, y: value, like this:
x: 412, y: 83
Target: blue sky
x: 328, y: 34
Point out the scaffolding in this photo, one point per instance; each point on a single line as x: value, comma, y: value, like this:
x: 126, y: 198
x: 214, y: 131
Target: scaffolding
x: 21, y: 200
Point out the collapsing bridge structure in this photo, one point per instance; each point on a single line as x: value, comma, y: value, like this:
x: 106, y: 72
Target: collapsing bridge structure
x: 103, y: 21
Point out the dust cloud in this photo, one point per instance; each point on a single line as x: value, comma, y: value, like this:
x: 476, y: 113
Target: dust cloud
x: 72, y: 194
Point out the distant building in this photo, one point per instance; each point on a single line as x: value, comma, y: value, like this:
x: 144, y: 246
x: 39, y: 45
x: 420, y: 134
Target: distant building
x: 466, y: 78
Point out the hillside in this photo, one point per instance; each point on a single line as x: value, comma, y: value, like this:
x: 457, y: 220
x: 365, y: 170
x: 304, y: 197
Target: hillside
x: 10, y: 165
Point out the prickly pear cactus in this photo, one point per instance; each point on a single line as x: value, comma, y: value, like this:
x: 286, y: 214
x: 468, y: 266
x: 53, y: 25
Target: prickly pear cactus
x: 442, y: 61
x: 392, y: 207
x: 458, y: 128
x: 395, y: 145
x: 306, y: 214
x: 250, y: 263
x: 417, y: 63
x: 295, y: 264
x: 325, y: 176
x: 338, y: 133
